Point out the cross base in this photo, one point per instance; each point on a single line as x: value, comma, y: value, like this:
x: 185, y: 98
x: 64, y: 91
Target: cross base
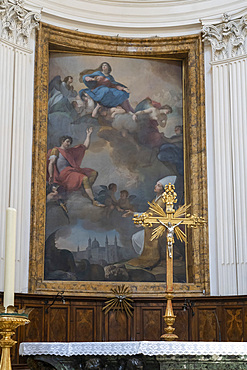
x: 169, y: 337
x: 169, y: 330
x: 169, y: 319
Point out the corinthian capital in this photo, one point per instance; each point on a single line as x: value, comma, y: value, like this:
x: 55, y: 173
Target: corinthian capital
x: 16, y: 22
x: 228, y: 39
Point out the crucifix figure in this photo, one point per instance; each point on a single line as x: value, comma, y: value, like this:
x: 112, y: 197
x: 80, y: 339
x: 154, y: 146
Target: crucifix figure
x: 168, y: 220
x: 170, y: 235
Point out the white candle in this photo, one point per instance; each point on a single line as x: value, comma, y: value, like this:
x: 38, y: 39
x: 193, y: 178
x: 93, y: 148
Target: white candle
x: 9, y: 271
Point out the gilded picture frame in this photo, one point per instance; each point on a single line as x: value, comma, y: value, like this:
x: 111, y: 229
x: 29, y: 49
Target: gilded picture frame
x: 189, y: 51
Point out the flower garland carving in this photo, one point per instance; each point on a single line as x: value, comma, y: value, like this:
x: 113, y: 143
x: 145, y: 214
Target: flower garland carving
x: 228, y: 39
x: 17, y: 23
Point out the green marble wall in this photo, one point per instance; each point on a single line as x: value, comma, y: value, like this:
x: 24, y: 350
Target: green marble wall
x: 214, y: 362
x: 139, y: 362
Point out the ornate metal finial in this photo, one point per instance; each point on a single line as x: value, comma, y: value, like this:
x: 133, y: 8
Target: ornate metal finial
x: 17, y: 23
x: 169, y: 198
x: 227, y: 38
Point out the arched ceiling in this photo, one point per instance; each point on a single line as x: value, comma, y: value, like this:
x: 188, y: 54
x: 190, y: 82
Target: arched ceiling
x: 136, y: 17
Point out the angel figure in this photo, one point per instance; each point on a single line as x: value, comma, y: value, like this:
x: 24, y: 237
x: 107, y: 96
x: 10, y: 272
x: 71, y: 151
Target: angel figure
x: 150, y: 116
x: 61, y: 93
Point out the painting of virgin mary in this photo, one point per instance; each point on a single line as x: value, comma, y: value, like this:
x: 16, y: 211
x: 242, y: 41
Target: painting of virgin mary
x: 128, y: 132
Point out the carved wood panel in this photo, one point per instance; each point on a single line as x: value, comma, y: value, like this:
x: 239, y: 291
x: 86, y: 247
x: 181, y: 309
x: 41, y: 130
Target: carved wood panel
x: 84, y: 325
x: 245, y: 323
x: 233, y: 324
x: 182, y: 324
x: 152, y: 323
x: 207, y: 325
x: 34, y: 332
x: 57, y: 325
x: 117, y: 326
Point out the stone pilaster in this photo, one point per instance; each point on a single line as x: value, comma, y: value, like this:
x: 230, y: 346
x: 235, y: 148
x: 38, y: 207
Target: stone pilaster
x: 228, y: 42
x: 17, y: 27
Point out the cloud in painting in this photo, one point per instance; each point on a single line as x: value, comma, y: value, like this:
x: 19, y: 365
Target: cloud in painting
x: 122, y: 150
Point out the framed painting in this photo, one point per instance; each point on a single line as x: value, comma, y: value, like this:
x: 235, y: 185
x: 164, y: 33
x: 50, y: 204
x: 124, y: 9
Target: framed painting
x: 115, y: 121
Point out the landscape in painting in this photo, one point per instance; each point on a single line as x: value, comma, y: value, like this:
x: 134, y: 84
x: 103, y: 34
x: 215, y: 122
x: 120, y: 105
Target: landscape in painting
x: 114, y: 140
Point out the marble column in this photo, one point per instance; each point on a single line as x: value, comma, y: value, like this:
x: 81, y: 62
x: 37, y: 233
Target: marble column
x: 17, y: 46
x: 227, y: 153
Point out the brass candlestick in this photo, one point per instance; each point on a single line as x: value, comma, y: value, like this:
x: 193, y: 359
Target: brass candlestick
x: 9, y: 322
x: 168, y: 220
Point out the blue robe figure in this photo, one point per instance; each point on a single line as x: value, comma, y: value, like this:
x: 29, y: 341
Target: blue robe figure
x: 104, y: 90
x: 173, y: 152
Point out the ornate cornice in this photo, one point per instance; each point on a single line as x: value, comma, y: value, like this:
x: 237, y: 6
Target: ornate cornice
x: 16, y: 22
x: 228, y: 39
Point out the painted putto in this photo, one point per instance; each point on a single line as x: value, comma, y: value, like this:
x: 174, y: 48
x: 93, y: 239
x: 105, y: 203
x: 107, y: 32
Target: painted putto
x: 112, y: 146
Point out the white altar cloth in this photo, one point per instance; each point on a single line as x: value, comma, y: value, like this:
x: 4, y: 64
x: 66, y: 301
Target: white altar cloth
x: 147, y: 348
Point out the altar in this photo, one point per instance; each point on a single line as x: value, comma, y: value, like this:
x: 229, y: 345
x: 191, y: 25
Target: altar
x: 144, y: 355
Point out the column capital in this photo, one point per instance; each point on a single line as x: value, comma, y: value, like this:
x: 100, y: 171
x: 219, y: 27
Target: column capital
x: 17, y: 23
x: 228, y: 39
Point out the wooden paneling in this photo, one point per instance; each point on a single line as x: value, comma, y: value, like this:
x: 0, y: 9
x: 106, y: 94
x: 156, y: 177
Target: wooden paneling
x: 207, y: 325
x: 117, y: 326
x: 245, y: 322
x: 34, y: 332
x: 151, y: 323
x: 57, y: 325
x: 234, y: 324
x: 182, y: 323
x: 82, y: 319
x: 84, y: 328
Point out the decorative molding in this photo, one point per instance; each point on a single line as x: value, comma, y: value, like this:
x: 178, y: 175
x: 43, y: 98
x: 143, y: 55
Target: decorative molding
x: 17, y: 23
x: 196, y: 187
x: 131, y: 18
x: 228, y: 39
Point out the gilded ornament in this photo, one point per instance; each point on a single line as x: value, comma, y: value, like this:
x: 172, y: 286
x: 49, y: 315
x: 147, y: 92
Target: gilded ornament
x: 169, y: 220
x: 120, y: 302
x: 9, y: 322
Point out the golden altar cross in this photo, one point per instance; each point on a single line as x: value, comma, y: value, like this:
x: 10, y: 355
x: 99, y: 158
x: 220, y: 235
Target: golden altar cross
x: 168, y: 220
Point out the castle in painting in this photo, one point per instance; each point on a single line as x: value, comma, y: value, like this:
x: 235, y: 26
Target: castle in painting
x: 95, y: 253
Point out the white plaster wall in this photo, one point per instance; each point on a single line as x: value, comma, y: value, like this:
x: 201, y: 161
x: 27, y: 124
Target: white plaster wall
x: 138, y: 18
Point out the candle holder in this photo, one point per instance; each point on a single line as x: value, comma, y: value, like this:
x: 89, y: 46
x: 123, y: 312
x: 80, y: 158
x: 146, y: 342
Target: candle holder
x: 9, y: 322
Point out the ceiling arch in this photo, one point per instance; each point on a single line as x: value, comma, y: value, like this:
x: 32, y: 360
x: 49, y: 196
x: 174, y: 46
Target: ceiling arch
x: 136, y: 17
